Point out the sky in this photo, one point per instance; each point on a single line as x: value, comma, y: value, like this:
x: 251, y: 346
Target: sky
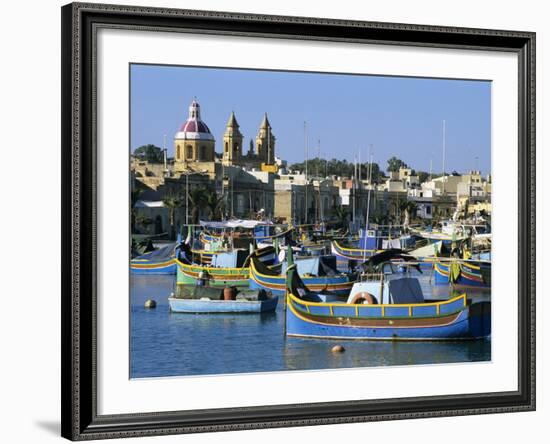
x: 345, y: 114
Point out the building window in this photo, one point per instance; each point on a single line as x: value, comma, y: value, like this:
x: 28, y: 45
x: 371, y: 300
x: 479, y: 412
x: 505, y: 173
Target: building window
x: 226, y: 147
x: 202, y: 155
x: 189, y: 152
x: 178, y: 153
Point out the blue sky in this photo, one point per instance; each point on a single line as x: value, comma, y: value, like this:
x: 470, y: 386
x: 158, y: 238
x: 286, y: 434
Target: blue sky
x: 400, y: 117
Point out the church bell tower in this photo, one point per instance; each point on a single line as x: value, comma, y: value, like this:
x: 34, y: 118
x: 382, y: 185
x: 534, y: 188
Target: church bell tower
x: 232, y: 142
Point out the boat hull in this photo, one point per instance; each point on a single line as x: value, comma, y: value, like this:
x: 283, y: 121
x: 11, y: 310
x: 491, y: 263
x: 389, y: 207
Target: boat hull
x: 356, y: 254
x: 469, y: 274
x: 152, y: 267
x: 221, y: 306
x: 339, y: 285
x: 455, y: 321
x: 217, y: 277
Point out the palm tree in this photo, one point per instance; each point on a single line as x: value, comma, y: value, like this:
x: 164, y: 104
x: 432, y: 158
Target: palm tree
x: 407, y: 209
x: 172, y: 202
x: 379, y: 219
x: 134, y: 197
x: 214, y: 204
x: 341, y: 214
x: 198, y: 200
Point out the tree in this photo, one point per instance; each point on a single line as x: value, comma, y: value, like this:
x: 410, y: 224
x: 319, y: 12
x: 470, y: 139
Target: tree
x: 134, y: 197
x: 150, y: 153
x: 172, y: 202
x: 143, y: 220
x: 198, y: 200
x: 341, y: 214
x: 423, y: 176
x: 394, y: 164
x: 335, y: 167
x: 379, y: 219
x: 214, y: 203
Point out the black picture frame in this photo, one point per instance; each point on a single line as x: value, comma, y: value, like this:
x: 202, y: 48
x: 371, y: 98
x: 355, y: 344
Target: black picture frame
x: 79, y: 174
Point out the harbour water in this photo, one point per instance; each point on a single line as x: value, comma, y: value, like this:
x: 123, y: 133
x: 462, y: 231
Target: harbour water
x: 176, y: 344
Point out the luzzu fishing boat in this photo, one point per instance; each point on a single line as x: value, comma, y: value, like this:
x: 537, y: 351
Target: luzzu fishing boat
x: 236, y: 231
x: 460, y: 272
x: 383, y: 309
x: 372, y: 241
x: 161, y: 261
x: 196, y: 299
x: 316, y: 272
x: 350, y: 253
x: 188, y: 274
x: 230, y: 268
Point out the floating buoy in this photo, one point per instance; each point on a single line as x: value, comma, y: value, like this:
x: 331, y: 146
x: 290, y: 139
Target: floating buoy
x: 150, y: 303
x: 338, y: 349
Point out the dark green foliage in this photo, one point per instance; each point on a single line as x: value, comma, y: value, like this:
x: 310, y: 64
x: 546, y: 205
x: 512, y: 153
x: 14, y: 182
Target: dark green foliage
x: 172, y: 202
x: 335, y: 167
x: 150, y: 153
x: 394, y: 164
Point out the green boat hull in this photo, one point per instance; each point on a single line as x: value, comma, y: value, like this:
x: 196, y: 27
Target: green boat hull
x: 215, y: 277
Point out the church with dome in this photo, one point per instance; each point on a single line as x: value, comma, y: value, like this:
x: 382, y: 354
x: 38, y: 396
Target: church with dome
x: 194, y: 145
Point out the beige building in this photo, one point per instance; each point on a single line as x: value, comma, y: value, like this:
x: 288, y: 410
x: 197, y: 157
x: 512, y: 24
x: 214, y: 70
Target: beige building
x: 299, y: 200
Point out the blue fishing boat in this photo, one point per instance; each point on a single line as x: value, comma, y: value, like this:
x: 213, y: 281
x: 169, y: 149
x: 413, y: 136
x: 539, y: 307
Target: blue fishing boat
x: 161, y: 261
x: 370, y: 242
x: 197, y: 299
x: 380, y: 308
x: 352, y: 253
x: 318, y: 273
x: 459, y: 272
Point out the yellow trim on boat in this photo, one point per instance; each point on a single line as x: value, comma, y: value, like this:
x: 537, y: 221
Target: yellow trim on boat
x: 207, y: 267
x: 311, y: 321
x: 160, y: 264
x: 328, y: 285
x: 351, y: 249
x: 343, y: 304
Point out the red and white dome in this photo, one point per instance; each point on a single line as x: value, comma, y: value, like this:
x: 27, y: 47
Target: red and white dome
x: 194, y: 128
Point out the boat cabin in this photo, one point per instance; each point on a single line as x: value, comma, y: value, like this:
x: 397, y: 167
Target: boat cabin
x: 370, y: 290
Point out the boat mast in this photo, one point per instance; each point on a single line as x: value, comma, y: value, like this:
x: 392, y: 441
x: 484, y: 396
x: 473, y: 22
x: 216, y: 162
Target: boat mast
x: 306, y: 154
x: 368, y: 200
x: 164, y: 154
x: 444, y: 149
x: 320, y: 206
x: 353, y: 189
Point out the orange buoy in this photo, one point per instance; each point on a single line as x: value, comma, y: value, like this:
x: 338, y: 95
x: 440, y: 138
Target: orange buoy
x: 363, y: 297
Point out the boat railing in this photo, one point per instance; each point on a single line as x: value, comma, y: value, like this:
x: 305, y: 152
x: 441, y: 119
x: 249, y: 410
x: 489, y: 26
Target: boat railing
x: 371, y: 277
x: 440, y: 308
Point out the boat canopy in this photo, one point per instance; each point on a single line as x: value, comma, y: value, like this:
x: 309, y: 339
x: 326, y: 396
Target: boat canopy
x: 163, y: 253
x: 230, y: 259
x: 315, y: 266
x: 234, y: 223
